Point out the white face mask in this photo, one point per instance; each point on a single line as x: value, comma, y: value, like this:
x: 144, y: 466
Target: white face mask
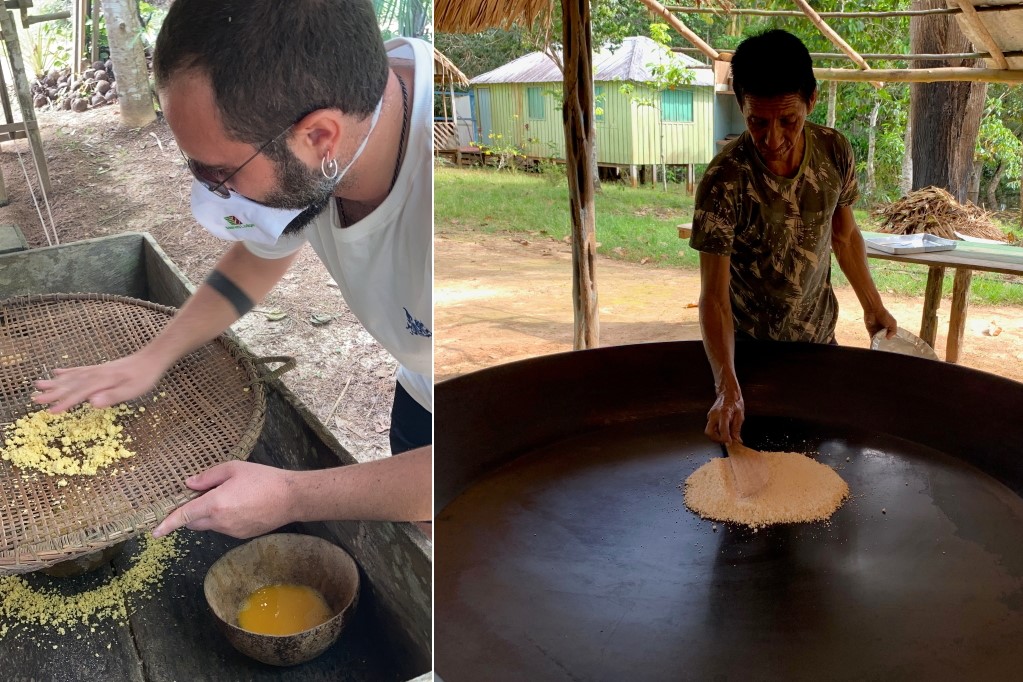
x: 238, y: 218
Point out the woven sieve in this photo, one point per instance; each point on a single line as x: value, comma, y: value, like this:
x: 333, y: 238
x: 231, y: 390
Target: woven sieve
x: 200, y: 414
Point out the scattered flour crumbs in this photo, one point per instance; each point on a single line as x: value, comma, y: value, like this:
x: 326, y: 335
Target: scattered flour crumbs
x: 799, y: 490
x: 25, y: 604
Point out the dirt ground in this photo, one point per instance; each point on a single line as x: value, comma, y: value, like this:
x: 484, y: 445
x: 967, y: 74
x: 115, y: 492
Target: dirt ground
x: 497, y: 300
x: 107, y: 180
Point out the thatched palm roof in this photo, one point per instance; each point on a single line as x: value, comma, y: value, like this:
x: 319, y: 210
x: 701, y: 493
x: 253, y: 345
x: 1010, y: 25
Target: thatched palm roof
x: 468, y: 16
x: 445, y: 72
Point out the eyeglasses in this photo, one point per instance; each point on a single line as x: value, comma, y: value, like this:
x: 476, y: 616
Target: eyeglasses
x: 215, y: 179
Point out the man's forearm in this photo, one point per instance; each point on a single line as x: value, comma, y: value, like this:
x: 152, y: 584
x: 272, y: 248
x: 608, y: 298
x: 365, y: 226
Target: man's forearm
x: 391, y: 489
x: 207, y: 313
x: 851, y: 254
x: 719, y: 343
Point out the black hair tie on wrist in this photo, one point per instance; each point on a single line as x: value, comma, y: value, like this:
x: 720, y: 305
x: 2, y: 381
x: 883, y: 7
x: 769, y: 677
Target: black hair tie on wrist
x: 229, y: 290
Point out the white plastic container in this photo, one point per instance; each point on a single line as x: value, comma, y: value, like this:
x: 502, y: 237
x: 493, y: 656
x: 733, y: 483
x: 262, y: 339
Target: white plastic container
x: 904, y: 343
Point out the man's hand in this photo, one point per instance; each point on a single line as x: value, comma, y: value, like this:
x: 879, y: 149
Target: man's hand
x: 724, y: 421
x: 876, y: 320
x: 242, y: 499
x: 101, y: 385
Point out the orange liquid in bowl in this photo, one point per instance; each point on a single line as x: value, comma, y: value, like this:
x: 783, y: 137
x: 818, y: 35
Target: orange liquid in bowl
x: 283, y: 610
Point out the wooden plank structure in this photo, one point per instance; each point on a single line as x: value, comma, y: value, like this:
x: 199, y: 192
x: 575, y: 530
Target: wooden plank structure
x: 445, y: 77
x: 27, y: 127
x: 635, y: 128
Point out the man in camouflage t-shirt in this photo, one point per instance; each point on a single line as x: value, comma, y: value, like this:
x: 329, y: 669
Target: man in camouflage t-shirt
x: 769, y: 210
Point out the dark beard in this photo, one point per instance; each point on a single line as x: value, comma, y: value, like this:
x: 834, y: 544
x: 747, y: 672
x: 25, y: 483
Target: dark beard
x: 307, y: 216
x: 299, y: 187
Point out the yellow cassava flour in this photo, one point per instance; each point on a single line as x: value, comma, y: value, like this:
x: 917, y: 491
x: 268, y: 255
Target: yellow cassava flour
x: 80, y: 441
x: 22, y: 603
x: 799, y: 490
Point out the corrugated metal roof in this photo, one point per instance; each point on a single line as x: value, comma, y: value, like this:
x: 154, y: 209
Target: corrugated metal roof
x: 629, y: 62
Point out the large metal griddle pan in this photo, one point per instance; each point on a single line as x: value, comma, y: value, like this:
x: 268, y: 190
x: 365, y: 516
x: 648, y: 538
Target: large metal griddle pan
x: 564, y: 551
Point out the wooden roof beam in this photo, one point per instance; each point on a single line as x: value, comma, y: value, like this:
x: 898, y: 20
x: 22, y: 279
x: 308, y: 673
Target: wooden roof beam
x: 836, y: 39
x: 973, y: 19
x: 951, y: 73
x: 687, y: 33
x: 891, y: 57
x: 841, y: 15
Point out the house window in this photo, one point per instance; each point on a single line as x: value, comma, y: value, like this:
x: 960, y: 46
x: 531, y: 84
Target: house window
x: 677, y: 106
x: 534, y: 101
x: 599, y: 103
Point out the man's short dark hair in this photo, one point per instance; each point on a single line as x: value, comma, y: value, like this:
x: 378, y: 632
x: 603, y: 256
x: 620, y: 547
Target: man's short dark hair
x: 273, y: 61
x: 772, y: 64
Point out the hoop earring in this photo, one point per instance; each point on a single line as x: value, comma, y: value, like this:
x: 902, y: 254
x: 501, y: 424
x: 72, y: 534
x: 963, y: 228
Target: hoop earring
x: 331, y: 164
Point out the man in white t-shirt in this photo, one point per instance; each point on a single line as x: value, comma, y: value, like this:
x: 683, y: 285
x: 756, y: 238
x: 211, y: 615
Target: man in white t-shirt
x: 298, y: 124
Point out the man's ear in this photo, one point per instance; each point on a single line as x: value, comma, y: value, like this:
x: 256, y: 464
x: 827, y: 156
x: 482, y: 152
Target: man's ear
x: 318, y: 134
x: 812, y: 103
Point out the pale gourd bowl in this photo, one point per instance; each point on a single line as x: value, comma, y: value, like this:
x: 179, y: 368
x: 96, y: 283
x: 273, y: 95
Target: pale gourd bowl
x: 275, y: 559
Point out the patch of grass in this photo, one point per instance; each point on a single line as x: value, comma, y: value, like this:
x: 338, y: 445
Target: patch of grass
x: 640, y: 225
x: 632, y: 224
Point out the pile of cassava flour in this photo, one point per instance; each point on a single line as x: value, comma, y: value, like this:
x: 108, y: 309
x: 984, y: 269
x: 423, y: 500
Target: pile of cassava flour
x: 799, y: 490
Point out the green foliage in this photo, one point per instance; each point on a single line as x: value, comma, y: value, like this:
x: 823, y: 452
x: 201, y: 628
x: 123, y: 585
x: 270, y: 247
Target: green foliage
x: 503, y: 150
x: 408, y: 18
x: 46, y: 45
x: 1001, y: 135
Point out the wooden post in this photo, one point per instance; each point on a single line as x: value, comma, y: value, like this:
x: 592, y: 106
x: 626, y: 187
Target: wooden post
x: 957, y: 319
x: 24, y: 92
x: 928, y: 75
x: 78, y: 42
x: 633, y: 176
x: 577, y: 114
x: 932, y: 301
x: 94, y: 33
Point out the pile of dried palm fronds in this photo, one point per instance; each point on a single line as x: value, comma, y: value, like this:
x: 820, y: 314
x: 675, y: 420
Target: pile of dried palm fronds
x: 935, y: 211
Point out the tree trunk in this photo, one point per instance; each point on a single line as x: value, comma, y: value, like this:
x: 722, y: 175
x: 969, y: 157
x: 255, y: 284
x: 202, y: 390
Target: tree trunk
x: 975, y: 175
x: 129, y: 57
x: 906, y: 179
x: 945, y: 115
x: 832, y: 102
x: 992, y: 187
x: 872, y: 147
x: 580, y: 163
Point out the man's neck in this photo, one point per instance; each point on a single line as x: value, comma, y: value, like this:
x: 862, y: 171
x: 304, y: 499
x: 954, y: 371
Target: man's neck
x: 789, y: 167
x: 374, y: 170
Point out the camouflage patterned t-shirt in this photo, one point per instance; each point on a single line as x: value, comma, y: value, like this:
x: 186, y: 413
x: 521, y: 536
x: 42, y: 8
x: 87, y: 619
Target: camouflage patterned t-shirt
x: 777, y: 232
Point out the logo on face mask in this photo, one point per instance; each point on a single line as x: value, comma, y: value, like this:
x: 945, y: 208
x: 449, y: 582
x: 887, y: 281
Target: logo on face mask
x: 234, y: 223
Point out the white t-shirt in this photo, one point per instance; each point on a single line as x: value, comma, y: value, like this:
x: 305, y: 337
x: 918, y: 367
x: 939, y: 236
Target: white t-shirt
x: 383, y: 264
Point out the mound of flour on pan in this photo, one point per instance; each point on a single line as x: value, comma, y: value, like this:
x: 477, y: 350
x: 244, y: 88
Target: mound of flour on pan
x: 799, y: 490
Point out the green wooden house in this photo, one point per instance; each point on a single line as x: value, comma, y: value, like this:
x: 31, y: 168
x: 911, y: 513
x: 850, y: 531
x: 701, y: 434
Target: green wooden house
x: 636, y: 125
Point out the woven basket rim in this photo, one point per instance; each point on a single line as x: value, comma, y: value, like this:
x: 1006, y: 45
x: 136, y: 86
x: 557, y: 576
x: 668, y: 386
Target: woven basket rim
x: 31, y: 557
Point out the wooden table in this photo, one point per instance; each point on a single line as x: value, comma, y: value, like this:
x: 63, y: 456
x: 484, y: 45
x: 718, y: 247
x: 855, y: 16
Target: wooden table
x: 964, y: 259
